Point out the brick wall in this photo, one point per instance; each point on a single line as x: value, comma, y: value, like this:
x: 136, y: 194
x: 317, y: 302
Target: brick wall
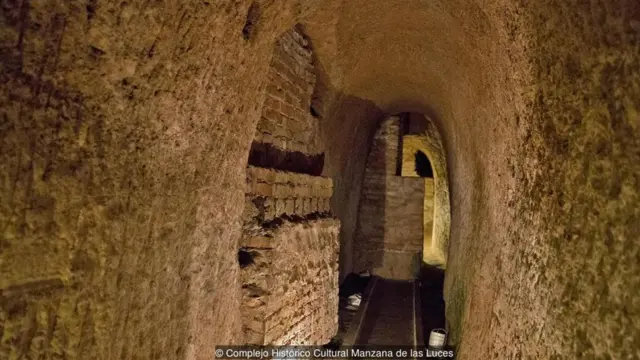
x: 286, y: 120
x: 290, y: 291
x: 272, y: 194
x: 390, y: 230
x: 290, y: 239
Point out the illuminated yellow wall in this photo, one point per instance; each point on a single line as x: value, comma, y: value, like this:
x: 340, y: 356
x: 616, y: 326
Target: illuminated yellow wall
x: 410, y: 145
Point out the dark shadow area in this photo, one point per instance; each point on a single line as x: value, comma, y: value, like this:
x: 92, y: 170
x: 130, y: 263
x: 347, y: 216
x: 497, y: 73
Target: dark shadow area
x: 431, y: 291
x: 268, y: 156
x: 253, y: 15
x: 403, y: 129
x: 245, y: 258
x: 295, y: 219
x: 389, y: 315
x: 423, y: 165
x: 352, y: 284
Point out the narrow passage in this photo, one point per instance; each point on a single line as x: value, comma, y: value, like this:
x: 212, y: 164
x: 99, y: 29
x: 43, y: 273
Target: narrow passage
x: 390, y: 315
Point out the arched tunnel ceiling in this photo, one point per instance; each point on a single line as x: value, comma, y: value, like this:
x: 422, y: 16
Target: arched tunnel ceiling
x: 409, y: 55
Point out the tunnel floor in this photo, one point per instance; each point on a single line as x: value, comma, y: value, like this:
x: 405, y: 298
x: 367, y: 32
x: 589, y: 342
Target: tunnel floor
x: 389, y: 317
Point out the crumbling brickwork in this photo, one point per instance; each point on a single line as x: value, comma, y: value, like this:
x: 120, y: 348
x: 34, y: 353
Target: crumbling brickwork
x: 290, y: 290
x: 290, y: 240
x: 390, y: 230
x: 273, y: 194
x: 290, y: 284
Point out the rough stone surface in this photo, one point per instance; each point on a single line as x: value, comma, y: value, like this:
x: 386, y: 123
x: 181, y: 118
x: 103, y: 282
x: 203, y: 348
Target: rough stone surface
x: 123, y: 142
x: 290, y: 291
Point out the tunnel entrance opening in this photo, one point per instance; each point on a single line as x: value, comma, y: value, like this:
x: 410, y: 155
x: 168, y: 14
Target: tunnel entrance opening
x: 403, y: 226
x: 423, y: 165
x: 404, y: 208
x: 397, y: 212
x: 423, y: 149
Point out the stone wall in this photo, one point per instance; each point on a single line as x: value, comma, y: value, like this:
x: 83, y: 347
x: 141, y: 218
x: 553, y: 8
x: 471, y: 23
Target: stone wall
x: 390, y: 228
x: 561, y: 280
x: 124, y: 137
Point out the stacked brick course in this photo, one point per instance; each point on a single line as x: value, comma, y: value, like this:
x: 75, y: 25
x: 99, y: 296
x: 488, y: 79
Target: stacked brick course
x: 290, y: 239
x: 286, y: 121
x: 272, y: 194
x: 290, y: 290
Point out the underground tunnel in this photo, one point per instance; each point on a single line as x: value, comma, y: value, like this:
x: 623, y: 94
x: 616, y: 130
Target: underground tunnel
x: 179, y: 175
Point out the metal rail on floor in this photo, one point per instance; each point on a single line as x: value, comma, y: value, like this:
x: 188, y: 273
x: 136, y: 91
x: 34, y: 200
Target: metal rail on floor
x: 418, y: 339
x: 373, y: 318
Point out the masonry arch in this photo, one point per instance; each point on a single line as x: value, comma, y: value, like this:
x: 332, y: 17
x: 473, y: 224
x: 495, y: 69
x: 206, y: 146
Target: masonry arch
x: 404, y: 214
x: 422, y: 137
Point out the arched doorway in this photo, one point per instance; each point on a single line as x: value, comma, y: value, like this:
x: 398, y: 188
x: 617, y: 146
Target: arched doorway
x: 404, y: 217
x: 423, y: 156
